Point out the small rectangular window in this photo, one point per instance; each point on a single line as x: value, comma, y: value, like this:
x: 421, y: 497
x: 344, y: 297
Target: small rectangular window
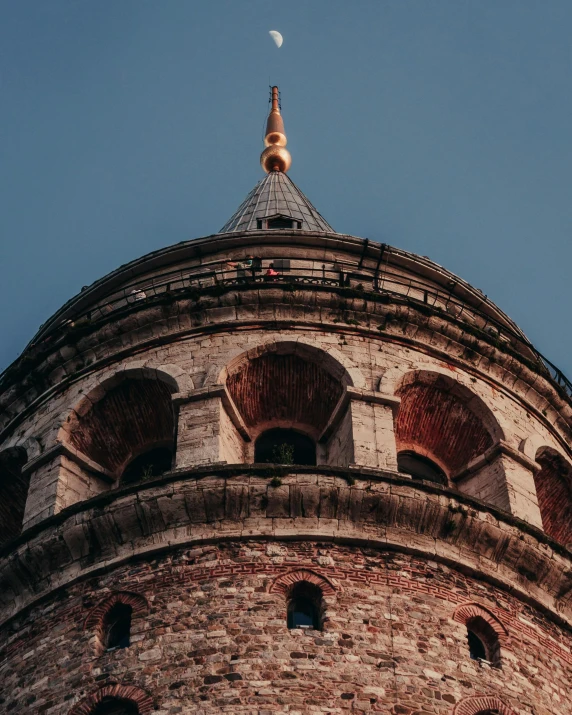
x: 280, y: 222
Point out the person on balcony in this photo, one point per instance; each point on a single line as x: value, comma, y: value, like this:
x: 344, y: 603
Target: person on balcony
x: 241, y: 267
x: 271, y: 273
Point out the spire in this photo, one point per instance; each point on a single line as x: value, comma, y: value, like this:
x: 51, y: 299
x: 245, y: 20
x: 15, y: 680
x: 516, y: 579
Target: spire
x: 276, y: 202
x: 275, y: 157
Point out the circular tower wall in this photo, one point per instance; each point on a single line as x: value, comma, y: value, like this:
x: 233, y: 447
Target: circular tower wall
x: 150, y: 563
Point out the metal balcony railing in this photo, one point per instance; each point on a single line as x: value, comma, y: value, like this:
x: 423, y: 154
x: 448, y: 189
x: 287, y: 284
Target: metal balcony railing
x: 480, y: 319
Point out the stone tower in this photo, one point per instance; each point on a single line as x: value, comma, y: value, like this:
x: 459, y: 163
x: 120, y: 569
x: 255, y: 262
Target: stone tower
x: 284, y: 470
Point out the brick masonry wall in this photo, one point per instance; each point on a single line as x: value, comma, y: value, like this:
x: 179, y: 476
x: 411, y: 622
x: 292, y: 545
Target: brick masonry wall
x: 214, y: 639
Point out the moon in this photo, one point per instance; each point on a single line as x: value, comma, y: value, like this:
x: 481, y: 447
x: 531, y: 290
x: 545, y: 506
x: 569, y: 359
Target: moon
x: 277, y: 37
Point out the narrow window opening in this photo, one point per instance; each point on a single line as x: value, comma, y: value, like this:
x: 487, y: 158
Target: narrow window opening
x: 117, y: 627
x: 483, y: 641
x: 304, y: 607
x: 285, y: 446
x: 115, y: 706
x: 420, y: 467
x: 477, y: 649
x: 150, y: 464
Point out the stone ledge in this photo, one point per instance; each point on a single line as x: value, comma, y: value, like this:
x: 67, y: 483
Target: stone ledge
x: 223, y: 469
x: 381, y: 510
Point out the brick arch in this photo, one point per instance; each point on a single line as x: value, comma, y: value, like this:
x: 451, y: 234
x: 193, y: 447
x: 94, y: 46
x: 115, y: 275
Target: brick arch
x: 444, y: 420
x: 283, y: 584
x: 482, y: 704
x: 554, y: 493
x: 119, y: 691
x: 137, y: 602
x: 467, y: 611
x: 333, y: 360
x: 172, y: 376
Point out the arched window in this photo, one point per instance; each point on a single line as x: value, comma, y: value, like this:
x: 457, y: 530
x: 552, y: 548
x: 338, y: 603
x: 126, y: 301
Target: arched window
x: 420, y: 467
x: 304, y: 606
x: 441, y: 417
x: 117, y: 627
x: 115, y: 699
x: 483, y: 641
x: 115, y: 706
x: 150, y: 464
x: 285, y: 446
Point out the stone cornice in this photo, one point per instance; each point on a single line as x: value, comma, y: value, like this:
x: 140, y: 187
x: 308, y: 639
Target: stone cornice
x: 382, y: 510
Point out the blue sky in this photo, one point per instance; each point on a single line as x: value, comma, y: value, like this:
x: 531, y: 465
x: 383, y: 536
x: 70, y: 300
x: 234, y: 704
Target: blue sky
x: 438, y: 126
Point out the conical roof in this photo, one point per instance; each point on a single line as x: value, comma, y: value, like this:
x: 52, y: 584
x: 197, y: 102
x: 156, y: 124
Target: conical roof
x: 276, y: 196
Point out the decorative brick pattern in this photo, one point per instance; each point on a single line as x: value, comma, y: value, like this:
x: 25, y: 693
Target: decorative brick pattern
x: 277, y: 388
x: 133, y: 416
x: 554, y: 489
x: 438, y: 423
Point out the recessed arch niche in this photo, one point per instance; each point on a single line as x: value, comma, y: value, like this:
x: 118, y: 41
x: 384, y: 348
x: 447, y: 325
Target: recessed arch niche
x: 442, y: 420
x: 554, y: 493
x: 132, y: 416
x: 288, y: 386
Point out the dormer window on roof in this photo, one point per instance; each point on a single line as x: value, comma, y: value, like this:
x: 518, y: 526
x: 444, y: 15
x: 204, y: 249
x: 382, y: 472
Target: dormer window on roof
x: 273, y: 222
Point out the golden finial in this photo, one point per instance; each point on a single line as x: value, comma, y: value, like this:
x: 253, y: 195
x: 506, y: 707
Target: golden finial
x: 275, y: 157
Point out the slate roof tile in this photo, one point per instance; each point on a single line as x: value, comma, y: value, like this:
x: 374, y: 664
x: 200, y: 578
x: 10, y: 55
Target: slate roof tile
x: 275, y: 194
